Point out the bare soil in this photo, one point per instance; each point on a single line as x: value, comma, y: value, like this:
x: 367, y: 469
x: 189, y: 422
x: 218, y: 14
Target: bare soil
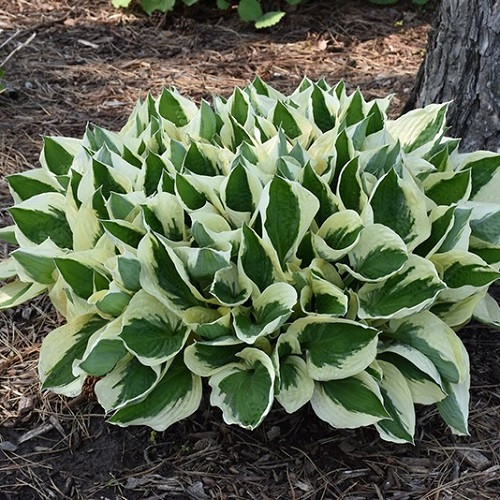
x: 89, y: 63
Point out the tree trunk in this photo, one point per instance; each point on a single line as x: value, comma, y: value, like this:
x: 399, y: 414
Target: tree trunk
x: 463, y: 65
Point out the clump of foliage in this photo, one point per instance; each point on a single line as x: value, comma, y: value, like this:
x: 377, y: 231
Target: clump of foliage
x: 302, y: 248
x: 248, y: 10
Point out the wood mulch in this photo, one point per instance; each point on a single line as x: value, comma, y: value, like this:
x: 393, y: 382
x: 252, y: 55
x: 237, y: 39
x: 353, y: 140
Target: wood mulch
x: 89, y: 63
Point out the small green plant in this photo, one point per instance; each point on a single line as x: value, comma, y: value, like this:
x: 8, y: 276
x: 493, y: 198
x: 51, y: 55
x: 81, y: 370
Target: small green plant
x: 2, y: 85
x: 248, y: 10
x: 299, y: 249
x: 152, y: 437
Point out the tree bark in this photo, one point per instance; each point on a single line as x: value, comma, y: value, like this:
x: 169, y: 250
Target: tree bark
x: 462, y: 65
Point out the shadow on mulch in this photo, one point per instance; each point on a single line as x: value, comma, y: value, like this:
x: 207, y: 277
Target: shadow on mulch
x: 89, y: 62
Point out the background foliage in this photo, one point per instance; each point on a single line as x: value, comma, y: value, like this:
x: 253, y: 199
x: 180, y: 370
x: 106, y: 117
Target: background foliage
x: 248, y: 10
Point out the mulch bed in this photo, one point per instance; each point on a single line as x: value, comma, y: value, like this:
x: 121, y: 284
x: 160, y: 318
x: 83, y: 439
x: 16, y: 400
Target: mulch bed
x: 89, y: 63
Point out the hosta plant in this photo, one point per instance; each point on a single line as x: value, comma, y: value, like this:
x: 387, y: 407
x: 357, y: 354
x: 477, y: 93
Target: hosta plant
x: 302, y: 248
x: 248, y: 10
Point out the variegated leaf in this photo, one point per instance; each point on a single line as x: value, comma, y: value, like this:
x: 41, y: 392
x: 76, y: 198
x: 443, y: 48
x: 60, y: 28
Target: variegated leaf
x: 350, y: 188
x: 458, y: 268
x: 328, y: 202
x: 400, y: 427
x: 176, y: 396
x: 175, y: 108
x: 447, y: 188
x: 484, y: 168
x: 126, y: 384
x: 338, y: 235
x: 83, y: 272
x: 59, y: 350
x: 454, y: 409
x: 37, y: 263
x: 240, y: 193
x: 230, y: 287
x: 350, y: 402
x: 126, y: 270
x: 457, y: 237
x: 85, y: 225
x: 421, y: 375
x: 25, y: 185
x: 104, y: 350
x: 163, y: 214
x: 17, y: 292
x: 296, y: 386
x: 244, y: 391
x: 455, y: 307
x: 335, y: 348
x: 378, y: 254
x: 7, y: 268
x: 210, y: 324
x: 406, y: 213
x: 111, y: 302
x: 321, y: 296
x: 435, y: 339
x: 8, y: 234
x: 287, y: 213
x: 269, y: 312
x: 293, y: 124
x: 208, y: 357
x: 258, y: 259
x: 485, y: 222
x: 410, y: 290
x: 164, y: 276
x: 151, y: 331
x: 487, y: 311
x: 202, y: 264
x: 418, y: 130
x: 212, y: 230
x: 443, y: 220
x: 58, y: 154
x: 42, y: 217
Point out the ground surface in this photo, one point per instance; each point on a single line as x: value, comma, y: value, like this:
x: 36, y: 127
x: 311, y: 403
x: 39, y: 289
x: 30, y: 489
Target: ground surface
x: 89, y: 62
